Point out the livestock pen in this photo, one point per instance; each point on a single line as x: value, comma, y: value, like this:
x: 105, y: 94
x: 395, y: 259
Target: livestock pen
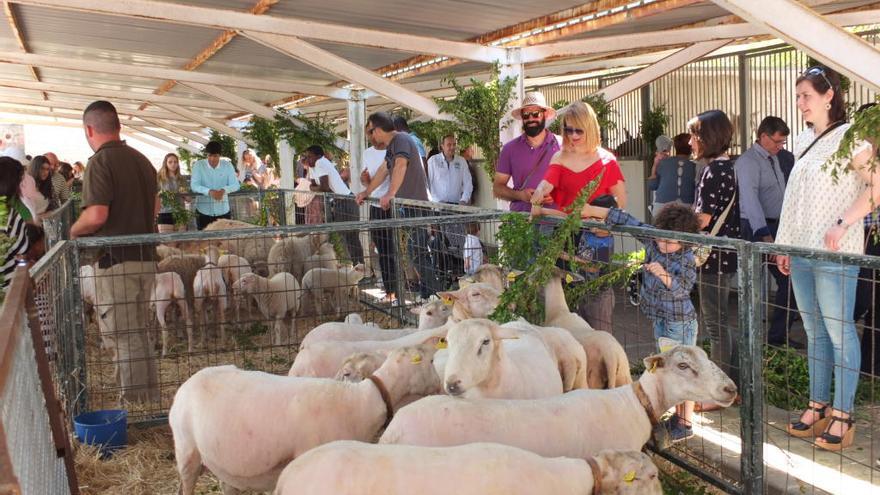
x: 742, y: 449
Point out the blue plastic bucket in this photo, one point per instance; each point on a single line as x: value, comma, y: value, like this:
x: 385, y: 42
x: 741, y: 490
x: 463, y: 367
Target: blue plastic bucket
x: 107, y: 429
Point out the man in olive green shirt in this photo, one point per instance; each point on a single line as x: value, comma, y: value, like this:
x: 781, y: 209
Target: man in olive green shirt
x: 120, y: 196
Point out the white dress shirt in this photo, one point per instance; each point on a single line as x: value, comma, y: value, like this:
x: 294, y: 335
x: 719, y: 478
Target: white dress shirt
x: 449, y: 181
x: 373, y: 159
x: 325, y: 167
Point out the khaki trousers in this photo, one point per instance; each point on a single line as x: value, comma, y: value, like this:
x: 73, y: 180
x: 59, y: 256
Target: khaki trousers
x: 122, y: 296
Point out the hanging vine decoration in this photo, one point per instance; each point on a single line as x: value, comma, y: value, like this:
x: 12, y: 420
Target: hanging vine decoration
x: 481, y: 109
x: 264, y: 133
x: 314, y: 130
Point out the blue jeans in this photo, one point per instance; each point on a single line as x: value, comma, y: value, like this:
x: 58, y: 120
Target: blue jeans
x: 826, y: 295
x: 683, y: 332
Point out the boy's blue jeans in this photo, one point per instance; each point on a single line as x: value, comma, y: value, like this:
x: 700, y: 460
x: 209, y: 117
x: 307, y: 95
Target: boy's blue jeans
x: 683, y: 332
x: 826, y: 295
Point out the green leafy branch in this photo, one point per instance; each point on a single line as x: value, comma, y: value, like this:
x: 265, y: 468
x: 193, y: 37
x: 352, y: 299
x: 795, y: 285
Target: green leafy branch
x: 617, y: 273
x: 313, y: 130
x: 481, y: 109
x: 654, y: 124
x: 865, y: 127
x: 523, y: 297
x: 264, y: 133
x: 227, y: 145
x: 171, y: 200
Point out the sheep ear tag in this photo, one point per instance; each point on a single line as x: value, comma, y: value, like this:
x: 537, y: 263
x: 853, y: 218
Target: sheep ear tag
x: 653, y: 367
x: 416, y: 359
x: 442, y: 344
x: 629, y: 477
x: 568, y: 278
x: 447, y: 300
x: 511, y: 277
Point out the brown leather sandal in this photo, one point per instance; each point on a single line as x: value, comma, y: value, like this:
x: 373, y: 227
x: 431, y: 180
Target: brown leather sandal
x: 835, y: 443
x: 800, y: 429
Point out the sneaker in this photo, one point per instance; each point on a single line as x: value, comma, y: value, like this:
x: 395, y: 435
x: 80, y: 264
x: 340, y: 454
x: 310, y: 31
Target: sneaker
x: 679, y: 432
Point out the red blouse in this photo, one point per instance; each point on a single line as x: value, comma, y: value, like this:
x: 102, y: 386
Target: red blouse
x: 568, y: 184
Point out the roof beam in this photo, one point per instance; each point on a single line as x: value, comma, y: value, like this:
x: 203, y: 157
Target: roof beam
x: 660, y: 69
x: 241, y: 21
x: 19, y: 38
x: 166, y: 73
x: 253, y: 107
x: 163, y: 137
x: 603, y: 44
x: 814, y: 34
x: 80, y: 107
x: 342, y: 68
x: 213, y: 124
x: 177, y: 130
x: 215, y: 46
x: 112, y: 93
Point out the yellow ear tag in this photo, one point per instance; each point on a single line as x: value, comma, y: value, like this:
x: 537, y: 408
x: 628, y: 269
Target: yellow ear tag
x: 653, y: 367
x: 447, y: 300
x: 441, y: 344
x: 629, y: 477
x: 568, y: 278
x: 511, y: 277
x: 416, y: 359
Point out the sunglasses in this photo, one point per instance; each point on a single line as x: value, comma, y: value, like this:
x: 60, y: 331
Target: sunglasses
x: 573, y: 131
x: 533, y: 115
x: 818, y: 71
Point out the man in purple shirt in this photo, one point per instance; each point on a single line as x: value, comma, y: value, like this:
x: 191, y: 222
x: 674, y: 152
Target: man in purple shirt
x: 527, y: 157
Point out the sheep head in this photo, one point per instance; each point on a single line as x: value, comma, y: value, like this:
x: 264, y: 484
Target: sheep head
x: 433, y: 313
x: 474, y: 301
x: 473, y: 347
x: 359, y: 366
x: 411, y: 370
x: 686, y: 373
x: 628, y: 473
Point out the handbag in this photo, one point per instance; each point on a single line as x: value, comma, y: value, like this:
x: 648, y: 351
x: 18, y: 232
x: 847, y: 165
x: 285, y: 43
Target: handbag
x: 701, y: 253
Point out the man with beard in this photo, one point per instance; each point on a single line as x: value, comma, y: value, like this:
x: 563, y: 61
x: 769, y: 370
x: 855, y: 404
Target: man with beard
x: 526, y: 157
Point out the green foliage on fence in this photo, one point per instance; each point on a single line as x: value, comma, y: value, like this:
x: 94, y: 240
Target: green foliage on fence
x: 264, y: 134
x: 227, y: 145
x: 172, y: 200
x: 313, y: 130
x: 481, y: 109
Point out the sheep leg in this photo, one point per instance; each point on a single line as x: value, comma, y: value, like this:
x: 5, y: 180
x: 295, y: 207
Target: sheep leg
x: 200, y: 317
x: 189, y: 468
x: 221, y: 317
x: 318, y: 299
x: 277, y: 330
x: 187, y: 317
x: 228, y: 489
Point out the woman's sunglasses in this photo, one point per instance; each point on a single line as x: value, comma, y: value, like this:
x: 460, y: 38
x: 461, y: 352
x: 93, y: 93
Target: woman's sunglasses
x: 573, y: 131
x: 818, y: 71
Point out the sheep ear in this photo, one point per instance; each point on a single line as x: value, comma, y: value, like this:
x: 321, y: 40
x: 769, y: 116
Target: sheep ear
x: 448, y: 298
x: 502, y: 333
x: 434, y: 341
x: 654, y: 362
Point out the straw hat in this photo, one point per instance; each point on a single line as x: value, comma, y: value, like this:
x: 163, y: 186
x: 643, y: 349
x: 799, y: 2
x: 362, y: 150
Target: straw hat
x: 534, y: 98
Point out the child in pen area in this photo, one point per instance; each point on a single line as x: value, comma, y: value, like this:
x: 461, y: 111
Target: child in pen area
x: 473, y: 249
x: 670, y: 275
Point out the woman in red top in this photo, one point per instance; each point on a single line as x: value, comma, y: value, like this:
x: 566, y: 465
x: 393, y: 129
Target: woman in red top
x: 578, y: 163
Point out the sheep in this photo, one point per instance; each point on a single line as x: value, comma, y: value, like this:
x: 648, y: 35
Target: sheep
x: 168, y: 289
x: 360, y: 365
x: 277, y: 297
x: 338, y: 282
x: 214, y: 424
x: 254, y: 248
x: 486, y: 360
x: 479, y: 300
x: 186, y: 266
x: 164, y: 251
x: 356, y: 468
x: 431, y: 315
x: 88, y: 288
x: 324, y: 359
x: 289, y: 254
x: 325, y: 257
x: 607, y: 363
x: 233, y: 268
x: 578, y: 424
x: 209, y: 287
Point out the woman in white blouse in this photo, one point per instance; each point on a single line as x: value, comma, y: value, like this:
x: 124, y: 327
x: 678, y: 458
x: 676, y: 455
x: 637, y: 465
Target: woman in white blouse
x: 825, y: 213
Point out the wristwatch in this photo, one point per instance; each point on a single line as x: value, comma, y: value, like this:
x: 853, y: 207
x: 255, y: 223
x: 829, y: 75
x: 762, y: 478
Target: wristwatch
x: 841, y: 222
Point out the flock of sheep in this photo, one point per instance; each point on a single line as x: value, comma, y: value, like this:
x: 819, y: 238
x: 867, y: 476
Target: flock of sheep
x: 273, y: 275
x: 459, y: 404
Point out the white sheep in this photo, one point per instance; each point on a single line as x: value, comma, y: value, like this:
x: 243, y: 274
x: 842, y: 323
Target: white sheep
x: 578, y: 424
x: 289, y: 254
x: 325, y: 257
x: 168, y: 290
x: 209, y: 287
x: 164, y: 251
x: 88, y: 288
x: 277, y: 298
x: 215, y: 423
x: 353, y: 468
x: 490, y: 361
x: 431, y: 315
x: 340, y: 283
x: 234, y: 267
x: 360, y: 365
x: 254, y: 248
x: 477, y: 300
x: 607, y: 363
x: 186, y: 266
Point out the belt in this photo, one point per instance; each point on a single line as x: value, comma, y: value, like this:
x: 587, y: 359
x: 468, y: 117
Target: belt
x: 772, y: 221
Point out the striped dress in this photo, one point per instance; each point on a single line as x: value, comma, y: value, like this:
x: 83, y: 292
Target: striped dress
x: 15, y: 230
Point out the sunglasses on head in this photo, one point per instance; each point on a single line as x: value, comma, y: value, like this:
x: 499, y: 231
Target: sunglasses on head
x: 532, y: 115
x: 818, y: 71
x: 573, y: 131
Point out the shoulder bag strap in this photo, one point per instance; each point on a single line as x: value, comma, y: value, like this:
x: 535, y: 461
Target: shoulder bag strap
x: 820, y: 136
x: 723, y: 217
x: 535, y: 168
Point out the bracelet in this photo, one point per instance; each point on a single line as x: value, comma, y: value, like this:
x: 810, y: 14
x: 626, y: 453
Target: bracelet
x: 841, y: 222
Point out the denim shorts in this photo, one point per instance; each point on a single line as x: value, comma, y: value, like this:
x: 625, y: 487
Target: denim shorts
x: 683, y: 332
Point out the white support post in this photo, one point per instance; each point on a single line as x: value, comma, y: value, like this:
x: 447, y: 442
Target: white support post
x: 660, y: 69
x: 814, y: 34
x: 287, y: 165
x: 512, y: 69
x: 357, y: 118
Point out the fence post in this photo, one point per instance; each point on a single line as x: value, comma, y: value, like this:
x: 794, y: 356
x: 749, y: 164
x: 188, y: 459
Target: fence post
x: 751, y: 344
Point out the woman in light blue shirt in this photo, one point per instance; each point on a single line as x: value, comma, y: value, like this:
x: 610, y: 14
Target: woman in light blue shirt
x: 212, y: 180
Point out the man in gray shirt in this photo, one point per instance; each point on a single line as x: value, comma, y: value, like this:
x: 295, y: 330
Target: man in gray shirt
x: 408, y: 181
x: 761, y: 180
